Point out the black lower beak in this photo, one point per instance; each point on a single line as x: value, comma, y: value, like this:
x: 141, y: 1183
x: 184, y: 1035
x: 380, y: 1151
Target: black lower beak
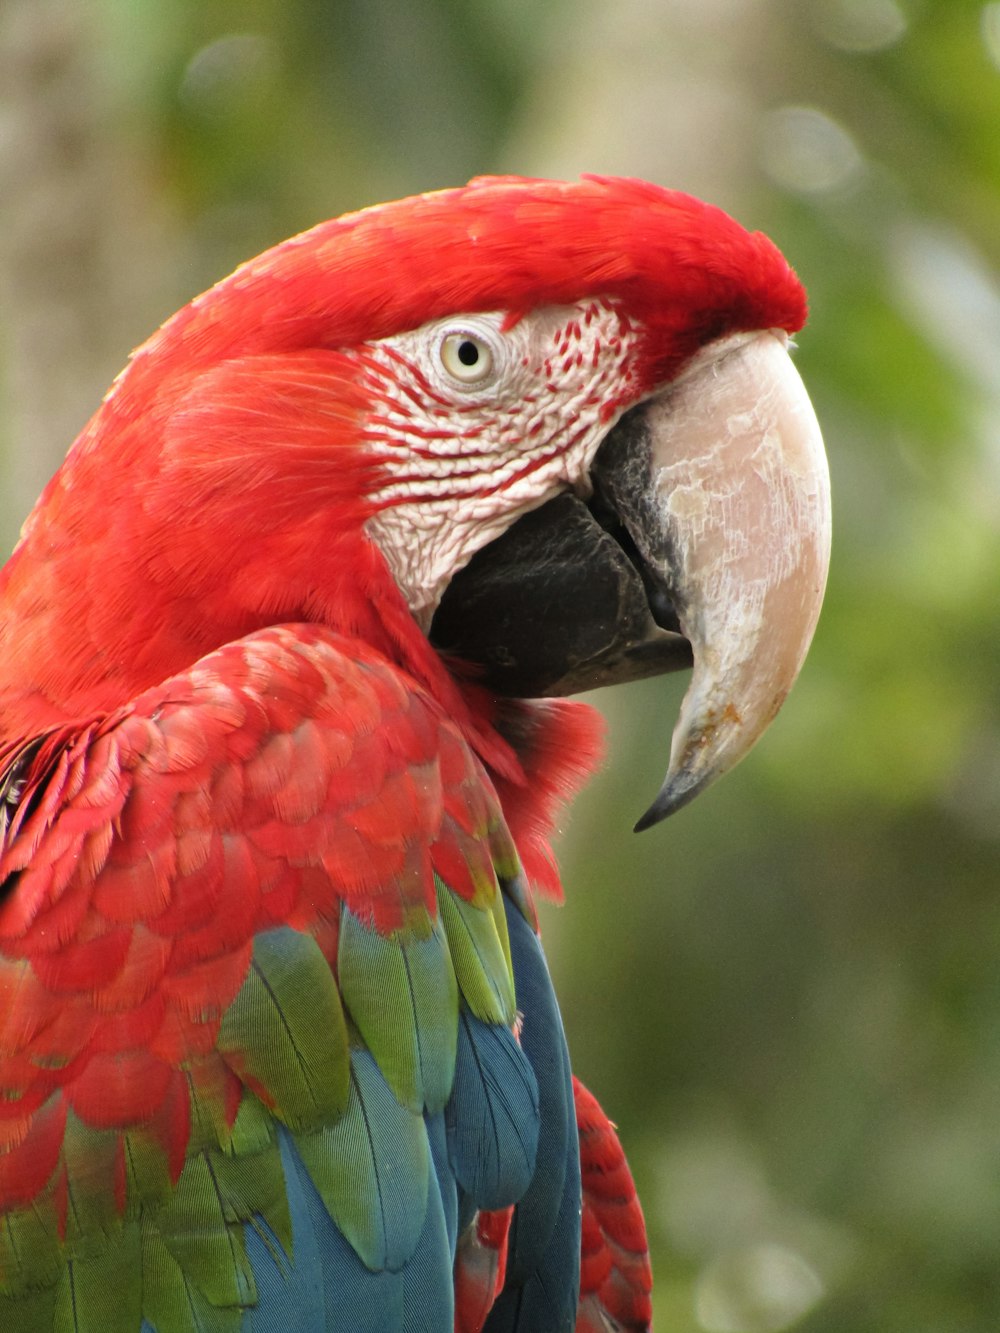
x: 563, y: 602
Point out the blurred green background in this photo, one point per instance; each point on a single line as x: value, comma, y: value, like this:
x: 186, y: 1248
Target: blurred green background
x: 789, y: 996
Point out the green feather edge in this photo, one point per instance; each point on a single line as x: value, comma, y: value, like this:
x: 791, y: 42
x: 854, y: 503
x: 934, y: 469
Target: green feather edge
x: 203, y: 1231
x: 92, y: 1295
x: 480, y: 950
x: 31, y: 1253
x: 171, y: 1303
x: 285, y: 1035
x: 401, y: 992
x: 372, y: 1170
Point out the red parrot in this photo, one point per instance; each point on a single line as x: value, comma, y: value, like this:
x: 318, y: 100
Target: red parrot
x: 281, y: 751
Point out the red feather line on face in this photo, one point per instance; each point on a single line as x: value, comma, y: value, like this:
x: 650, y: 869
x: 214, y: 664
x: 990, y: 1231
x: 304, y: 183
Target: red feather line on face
x: 566, y: 383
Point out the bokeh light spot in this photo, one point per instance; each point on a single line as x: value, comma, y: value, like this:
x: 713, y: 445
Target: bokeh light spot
x: 756, y: 1289
x: 861, y: 25
x: 220, y: 75
x: 989, y: 22
x: 804, y: 150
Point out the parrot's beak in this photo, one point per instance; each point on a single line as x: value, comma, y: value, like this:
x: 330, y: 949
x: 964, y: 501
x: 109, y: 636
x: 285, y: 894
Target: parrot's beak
x: 707, y: 536
x: 722, y: 483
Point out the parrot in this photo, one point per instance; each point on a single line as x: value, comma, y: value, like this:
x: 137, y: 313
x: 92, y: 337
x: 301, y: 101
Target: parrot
x: 286, y: 646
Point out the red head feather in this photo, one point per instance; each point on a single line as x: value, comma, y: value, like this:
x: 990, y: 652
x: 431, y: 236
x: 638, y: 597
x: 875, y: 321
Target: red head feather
x: 220, y: 486
x: 682, y: 267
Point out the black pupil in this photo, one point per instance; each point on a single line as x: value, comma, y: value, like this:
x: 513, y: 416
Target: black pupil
x: 468, y: 352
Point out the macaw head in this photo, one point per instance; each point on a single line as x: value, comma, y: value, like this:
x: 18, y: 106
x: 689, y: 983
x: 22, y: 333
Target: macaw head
x: 550, y: 429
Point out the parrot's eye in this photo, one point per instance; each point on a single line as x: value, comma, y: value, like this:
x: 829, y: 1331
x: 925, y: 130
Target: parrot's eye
x: 467, y: 357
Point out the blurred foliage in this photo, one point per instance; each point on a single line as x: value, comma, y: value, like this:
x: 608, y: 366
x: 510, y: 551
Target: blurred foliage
x: 788, y: 997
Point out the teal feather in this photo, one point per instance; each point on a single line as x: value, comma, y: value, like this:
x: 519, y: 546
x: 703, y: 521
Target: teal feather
x: 492, y: 1117
x: 543, y: 1263
x: 437, y: 1138
x: 428, y: 1295
x: 328, y: 1288
x: 372, y: 1169
x: 291, y: 1274
x: 401, y: 992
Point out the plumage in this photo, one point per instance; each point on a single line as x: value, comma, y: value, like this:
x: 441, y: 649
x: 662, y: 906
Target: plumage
x: 615, y: 1281
x: 247, y: 1026
x: 285, y: 1024
x: 403, y: 996
x: 492, y: 1116
x: 543, y: 1260
x: 279, y: 1047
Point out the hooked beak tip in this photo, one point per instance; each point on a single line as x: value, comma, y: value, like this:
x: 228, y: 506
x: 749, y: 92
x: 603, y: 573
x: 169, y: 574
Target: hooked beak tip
x: 670, y: 798
x: 743, y: 508
x: 686, y: 779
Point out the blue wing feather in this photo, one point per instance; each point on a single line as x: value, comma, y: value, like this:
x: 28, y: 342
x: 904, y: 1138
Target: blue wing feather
x: 507, y: 1134
x: 438, y: 1139
x: 325, y: 1288
x: 492, y: 1116
x: 543, y: 1267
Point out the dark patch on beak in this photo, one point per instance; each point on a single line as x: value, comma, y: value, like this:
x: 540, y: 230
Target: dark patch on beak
x: 563, y: 602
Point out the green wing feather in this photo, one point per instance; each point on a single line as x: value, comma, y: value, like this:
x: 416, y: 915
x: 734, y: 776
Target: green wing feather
x: 371, y: 1169
x: 91, y: 1294
x: 170, y: 1300
x: 480, y: 951
x: 285, y: 1034
x: 31, y: 1252
x: 203, y: 1231
x: 400, y: 990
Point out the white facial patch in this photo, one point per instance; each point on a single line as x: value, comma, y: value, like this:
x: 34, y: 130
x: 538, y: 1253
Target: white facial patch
x: 478, y: 424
